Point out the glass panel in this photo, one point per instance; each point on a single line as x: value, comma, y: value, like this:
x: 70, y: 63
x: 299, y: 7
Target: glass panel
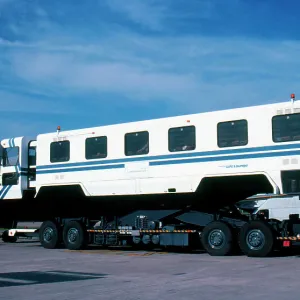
x: 182, y: 138
x: 59, y: 151
x: 137, y: 143
x: 286, y: 128
x: 232, y: 133
x: 10, y: 156
x: 32, y: 156
x: 96, y: 147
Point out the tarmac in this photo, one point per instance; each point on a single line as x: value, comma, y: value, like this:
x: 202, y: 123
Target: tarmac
x: 30, y: 272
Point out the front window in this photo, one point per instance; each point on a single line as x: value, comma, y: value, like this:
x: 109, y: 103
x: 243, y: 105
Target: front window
x: 10, y: 156
x: 254, y: 202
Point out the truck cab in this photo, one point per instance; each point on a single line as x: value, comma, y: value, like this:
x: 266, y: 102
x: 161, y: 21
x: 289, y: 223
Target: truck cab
x: 17, y: 167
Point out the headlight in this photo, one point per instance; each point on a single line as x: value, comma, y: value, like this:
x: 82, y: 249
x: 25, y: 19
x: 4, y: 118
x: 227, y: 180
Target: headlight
x: 263, y: 214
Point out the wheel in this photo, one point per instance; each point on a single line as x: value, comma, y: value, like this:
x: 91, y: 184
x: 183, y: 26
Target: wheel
x: 8, y: 239
x: 49, y: 235
x: 256, y: 239
x: 217, y: 239
x: 75, y: 235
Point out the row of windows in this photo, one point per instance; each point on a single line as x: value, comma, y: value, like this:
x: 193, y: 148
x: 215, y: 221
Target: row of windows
x: 229, y: 134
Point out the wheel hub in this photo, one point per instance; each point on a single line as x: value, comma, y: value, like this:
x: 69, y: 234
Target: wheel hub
x: 48, y: 234
x: 72, y: 235
x: 216, y: 239
x: 255, y: 239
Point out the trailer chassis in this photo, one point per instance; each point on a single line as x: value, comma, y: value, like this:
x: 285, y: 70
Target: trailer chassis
x: 218, y: 234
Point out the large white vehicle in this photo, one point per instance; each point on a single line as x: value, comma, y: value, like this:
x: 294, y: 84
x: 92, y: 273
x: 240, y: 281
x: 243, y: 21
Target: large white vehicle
x: 158, y: 182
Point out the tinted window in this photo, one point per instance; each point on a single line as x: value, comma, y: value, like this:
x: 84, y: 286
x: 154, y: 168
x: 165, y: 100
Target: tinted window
x: 10, y: 156
x: 59, y: 151
x: 290, y: 181
x: 286, y: 128
x: 96, y: 147
x: 10, y: 178
x: 32, y: 156
x: 137, y: 143
x: 232, y: 133
x: 182, y: 138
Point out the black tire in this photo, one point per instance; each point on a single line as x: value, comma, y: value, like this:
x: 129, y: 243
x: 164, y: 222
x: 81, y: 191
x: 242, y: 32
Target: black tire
x: 217, y: 239
x: 75, y: 236
x: 257, y: 239
x: 8, y: 239
x: 49, y: 235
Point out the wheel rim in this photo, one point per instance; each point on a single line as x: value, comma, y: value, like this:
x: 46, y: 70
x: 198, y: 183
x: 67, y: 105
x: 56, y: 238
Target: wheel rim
x: 73, y: 234
x: 48, y: 234
x: 255, y: 239
x: 216, y: 239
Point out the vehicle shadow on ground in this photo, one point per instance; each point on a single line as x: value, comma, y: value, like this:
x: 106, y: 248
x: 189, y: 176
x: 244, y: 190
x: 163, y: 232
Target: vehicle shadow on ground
x: 49, y: 277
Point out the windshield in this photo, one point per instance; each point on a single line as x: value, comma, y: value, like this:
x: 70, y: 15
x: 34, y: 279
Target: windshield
x: 10, y: 156
x: 250, y: 203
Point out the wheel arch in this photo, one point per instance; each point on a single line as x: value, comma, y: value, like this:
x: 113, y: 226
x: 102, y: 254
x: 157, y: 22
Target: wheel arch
x: 235, y: 187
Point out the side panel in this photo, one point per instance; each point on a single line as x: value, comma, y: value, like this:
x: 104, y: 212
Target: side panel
x: 181, y: 175
x: 163, y: 171
x: 281, y: 208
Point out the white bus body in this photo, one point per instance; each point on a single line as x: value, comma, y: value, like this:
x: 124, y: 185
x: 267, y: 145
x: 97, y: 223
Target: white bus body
x: 161, y: 170
x: 215, y: 157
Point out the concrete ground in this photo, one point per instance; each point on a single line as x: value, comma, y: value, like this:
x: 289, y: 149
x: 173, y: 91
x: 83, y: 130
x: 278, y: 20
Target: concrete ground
x: 27, y: 271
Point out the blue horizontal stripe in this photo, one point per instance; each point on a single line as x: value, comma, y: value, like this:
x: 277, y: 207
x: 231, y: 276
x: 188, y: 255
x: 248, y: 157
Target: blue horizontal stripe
x: 93, y: 168
x: 223, y: 158
x: 172, y: 156
x: 179, y: 161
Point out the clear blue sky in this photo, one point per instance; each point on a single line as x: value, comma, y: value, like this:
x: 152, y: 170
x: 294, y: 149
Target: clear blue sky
x: 81, y: 63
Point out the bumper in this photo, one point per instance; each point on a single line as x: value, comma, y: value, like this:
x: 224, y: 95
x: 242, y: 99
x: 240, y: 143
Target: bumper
x: 289, y: 241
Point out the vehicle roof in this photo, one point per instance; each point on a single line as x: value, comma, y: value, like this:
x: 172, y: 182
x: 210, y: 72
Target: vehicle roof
x: 268, y: 196
x: 157, y: 121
